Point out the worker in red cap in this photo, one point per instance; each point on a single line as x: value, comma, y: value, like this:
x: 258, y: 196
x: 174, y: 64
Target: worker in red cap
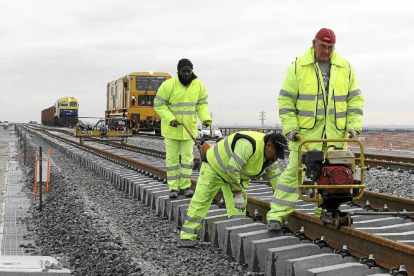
x: 320, y: 98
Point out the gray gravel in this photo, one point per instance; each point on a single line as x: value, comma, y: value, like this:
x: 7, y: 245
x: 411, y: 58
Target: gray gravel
x: 390, y: 182
x: 157, y: 144
x: 94, y: 229
x: 381, y: 181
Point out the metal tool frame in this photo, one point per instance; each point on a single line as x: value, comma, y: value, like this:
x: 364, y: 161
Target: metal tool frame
x: 317, y: 198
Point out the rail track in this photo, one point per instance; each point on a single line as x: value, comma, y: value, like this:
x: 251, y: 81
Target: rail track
x: 383, y: 241
x: 372, y: 160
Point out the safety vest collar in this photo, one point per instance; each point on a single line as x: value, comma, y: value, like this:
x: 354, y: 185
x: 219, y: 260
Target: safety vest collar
x: 309, y: 58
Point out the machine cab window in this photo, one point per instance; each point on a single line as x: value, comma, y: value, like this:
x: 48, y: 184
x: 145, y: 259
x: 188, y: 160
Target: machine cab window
x: 149, y: 83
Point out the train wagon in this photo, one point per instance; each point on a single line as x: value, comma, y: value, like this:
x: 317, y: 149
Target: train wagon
x: 64, y: 113
x: 132, y: 97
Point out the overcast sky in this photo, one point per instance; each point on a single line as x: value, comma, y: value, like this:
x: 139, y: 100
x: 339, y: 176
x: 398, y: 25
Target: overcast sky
x: 240, y: 50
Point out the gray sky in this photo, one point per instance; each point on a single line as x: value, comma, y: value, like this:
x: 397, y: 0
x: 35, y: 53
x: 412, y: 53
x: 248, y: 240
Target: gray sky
x: 240, y: 50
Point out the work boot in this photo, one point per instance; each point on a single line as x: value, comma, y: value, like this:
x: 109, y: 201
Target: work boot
x: 274, y: 225
x: 187, y: 192
x: 187, y: 243
x: 173, y: 194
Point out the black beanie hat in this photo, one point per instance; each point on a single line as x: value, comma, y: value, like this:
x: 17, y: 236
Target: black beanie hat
x: 184, y: 62
x: 279, y: 142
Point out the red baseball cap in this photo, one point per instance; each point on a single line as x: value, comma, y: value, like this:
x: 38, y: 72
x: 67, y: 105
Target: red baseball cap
x: 326, y: 35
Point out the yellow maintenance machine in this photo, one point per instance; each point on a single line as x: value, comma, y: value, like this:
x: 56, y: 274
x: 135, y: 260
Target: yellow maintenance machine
x: 335, y: 178
x: 116, y: 128
x: 132, y: 97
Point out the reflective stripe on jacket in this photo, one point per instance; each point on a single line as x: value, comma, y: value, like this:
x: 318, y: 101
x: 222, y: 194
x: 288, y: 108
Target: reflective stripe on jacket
x: 175, y: 101
x: 238, y: 164
x: 304, y: 106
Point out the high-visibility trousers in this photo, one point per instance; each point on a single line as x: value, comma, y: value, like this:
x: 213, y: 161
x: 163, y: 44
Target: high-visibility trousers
x: 208, y: 184
x: 179, y: 175
x: 286, y: 194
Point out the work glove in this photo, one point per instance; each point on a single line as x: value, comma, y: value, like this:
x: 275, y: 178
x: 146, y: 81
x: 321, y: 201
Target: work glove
x: 174, y: 123
x: 239, y: 202
x: 207, y: 123
x: 292, y: 135
x: 353, y: 134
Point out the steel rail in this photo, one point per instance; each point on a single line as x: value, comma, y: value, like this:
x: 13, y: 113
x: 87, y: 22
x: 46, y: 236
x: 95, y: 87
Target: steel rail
x: 384, y: 163
x: 388, y: 254
x: 128, y: 146
x: 375, y: 160
x: 394, y: 203
x: 370, y: 159
x: 158, y: 172
x: 391, y: 158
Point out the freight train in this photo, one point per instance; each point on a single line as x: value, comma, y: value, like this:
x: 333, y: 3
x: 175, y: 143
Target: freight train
x: 64, y: 113
x: 132, y: 97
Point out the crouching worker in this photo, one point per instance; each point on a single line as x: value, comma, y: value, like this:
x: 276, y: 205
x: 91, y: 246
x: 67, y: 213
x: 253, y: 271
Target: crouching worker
x: 228, y: 166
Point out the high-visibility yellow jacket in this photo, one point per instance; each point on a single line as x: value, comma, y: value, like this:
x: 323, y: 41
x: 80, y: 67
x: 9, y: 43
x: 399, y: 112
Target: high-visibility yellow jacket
x: 239, y: 157
x: 304, y: 105
x: 175, y: 101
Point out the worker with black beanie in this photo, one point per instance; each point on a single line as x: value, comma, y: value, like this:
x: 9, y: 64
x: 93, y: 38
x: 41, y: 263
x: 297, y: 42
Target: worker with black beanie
x: 179, y: 101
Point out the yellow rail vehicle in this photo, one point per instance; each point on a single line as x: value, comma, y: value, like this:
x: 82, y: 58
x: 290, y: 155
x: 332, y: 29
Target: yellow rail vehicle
x: 132, y: 97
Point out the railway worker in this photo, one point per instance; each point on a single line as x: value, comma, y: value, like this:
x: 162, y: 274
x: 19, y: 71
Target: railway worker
x: 320, y: 98
x: 228, y: 166
x: 179, y: 100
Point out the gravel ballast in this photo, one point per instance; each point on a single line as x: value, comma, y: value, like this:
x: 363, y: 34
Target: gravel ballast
x: 94, y: 229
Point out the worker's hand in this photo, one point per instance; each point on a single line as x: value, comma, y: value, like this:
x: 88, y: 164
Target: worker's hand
x: 292, y: 135
x: 207, y: 123
x: 353, y: 134
x: 174, y: 123
x: 239, y: 201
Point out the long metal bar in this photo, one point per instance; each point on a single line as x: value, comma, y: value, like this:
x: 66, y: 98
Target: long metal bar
x: 394, y: 203
x: 360, y: 244
x: 128, y: 161
x: 362, y: 213
x: 387, y: 253
x: 192, y: 137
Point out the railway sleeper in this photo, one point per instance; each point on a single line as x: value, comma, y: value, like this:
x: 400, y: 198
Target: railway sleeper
x: 241, y: 239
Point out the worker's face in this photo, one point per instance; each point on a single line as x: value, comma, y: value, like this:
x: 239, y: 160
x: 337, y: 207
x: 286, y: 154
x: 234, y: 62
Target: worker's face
x: 185, y: 72
x: 323, y: 50
x: 270, y: 151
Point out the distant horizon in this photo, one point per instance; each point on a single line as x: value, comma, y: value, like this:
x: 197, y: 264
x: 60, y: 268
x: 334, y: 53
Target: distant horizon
x: 390, y: 126
x: 385, y: 126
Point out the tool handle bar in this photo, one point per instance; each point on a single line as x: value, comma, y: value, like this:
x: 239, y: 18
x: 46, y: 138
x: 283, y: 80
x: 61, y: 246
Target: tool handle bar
x: 300, y: 138
x: 192, y: 137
